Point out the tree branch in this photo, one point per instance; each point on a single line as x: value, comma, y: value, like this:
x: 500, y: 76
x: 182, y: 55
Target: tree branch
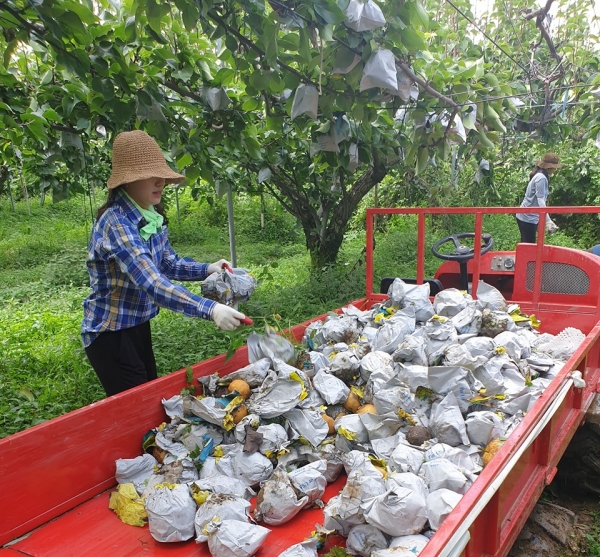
x: 39, y: 32
x: 425, y: 86
x: 67, y: 129
x: 174, y: 86
x: 281, y: 200
x: 540, y: 12
x: 539, y: 15
x: 250, y: 44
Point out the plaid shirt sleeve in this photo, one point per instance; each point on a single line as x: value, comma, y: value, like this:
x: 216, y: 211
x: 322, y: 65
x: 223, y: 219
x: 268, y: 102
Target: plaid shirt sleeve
x: 181, y: 268
x: 131, y: 277
x: 135, y: 260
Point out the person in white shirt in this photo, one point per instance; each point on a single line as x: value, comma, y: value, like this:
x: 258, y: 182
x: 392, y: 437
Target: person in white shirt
x: 535, y: 196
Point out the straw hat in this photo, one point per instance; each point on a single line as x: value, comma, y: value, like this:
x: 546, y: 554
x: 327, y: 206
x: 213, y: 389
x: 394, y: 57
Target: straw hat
x: 136, y: 156
x: 549, y: 160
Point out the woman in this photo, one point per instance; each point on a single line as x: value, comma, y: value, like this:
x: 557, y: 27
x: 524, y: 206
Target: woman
x: 131, y: 265
x: 535, y: 196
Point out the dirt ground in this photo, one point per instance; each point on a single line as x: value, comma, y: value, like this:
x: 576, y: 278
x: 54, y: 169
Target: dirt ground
x: 537, y: 541
x: 568, y: 513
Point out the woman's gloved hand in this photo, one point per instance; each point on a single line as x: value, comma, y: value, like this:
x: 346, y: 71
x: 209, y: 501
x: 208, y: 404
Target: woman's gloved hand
x: 216, y: 267
x: 551, y: 227
x: 226, y: 318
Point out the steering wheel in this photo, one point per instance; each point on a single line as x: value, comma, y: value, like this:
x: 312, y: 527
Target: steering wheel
x: 462, y: 253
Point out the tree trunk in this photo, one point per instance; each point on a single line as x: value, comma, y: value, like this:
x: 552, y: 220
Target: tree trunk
x: 324, y: 248
x: 4, y: 179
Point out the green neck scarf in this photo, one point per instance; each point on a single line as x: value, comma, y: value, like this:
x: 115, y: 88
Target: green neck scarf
x: 154, y: 219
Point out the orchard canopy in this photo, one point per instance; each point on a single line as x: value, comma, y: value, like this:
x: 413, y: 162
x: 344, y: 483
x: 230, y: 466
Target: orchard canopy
x: 313, y: 101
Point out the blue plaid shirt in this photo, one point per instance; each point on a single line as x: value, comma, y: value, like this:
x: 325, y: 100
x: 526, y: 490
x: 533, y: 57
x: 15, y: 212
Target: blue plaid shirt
x: 131, y: 277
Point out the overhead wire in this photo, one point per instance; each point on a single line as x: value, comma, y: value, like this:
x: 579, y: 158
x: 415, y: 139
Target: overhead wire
x: 513, y: 96
x: 526, y: 70
x: 518, y: 37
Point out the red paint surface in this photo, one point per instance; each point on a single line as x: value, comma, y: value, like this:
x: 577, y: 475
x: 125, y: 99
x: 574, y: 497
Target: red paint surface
x: 92, y: 530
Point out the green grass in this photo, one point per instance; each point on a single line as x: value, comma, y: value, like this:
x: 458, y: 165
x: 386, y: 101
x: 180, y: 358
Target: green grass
x: 593, y: 537
x: 43, y: 282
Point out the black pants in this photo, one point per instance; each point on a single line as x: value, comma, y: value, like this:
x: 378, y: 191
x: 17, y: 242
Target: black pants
x: 528, y: 232
x: 123, y: 359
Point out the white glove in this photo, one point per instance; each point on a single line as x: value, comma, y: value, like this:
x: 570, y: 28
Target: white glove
x: 551, y: 227
x: 216, y: 267
x: 226, y: 318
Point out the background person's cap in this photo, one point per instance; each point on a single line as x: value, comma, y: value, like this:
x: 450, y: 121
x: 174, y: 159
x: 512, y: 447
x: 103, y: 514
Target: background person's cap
x: 549, y: 160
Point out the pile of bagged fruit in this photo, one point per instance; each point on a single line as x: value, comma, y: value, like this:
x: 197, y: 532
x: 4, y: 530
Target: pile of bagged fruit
x: 410, y: 399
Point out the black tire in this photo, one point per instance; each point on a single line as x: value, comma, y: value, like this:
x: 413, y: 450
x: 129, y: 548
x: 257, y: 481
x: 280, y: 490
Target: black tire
x: 579, y: 468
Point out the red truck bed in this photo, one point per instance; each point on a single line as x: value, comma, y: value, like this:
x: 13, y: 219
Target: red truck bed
x: 65, y: 468
x: 55, y: 477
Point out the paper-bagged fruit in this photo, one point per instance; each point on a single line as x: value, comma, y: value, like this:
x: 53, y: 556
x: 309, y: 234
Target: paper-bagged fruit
x: 128, y: 505
x: 491, y: 449
x: 233, y: 538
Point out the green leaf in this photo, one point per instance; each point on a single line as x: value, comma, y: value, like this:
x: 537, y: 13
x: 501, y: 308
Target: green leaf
x: 412, y: 40
x: 144, y: 98
x: 289, y: 42
x: 304, y: 46
x: 156, y: 35
x: 185, y: 73
x: 38, y: 130
x: 130, y: 29
x: 422, y: 159
x: 225, y: 76
x: 190, y: 15
x: 484, y: 142
x: 192, y: 173
x: 104, y: 87
x: 184, y: 161
x: 51, y: 115
x: 472, y: 69
x: 70, y: 21
x: 260, y: 80
x: 207, y: 175
x: 205, y: 68
x: 344, y: 104
x: 324, y: 127
x: 47, y: 77
x: 221, y: 188
x: 270, y: 31
x: 8, y: 51
x: 250, y: 105
x: 82, y: 124
x: 276, y: 84
x: 155, y: 12
x: 492, y: 79
x: 252, y: 147
x: 479, y: 69
x: 418, y: 14
x: 123, y: 111
x: 358, y: 112
x: 85, y: 14
x: 492, y: 118
x: 328, y: 11
x: 343, y: 57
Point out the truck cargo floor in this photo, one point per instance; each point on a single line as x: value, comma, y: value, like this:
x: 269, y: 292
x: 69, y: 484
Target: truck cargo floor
x: 93, y: 530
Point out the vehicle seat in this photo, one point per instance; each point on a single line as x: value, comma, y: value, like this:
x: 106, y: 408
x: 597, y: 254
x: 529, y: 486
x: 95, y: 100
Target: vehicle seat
x: 435, y: 285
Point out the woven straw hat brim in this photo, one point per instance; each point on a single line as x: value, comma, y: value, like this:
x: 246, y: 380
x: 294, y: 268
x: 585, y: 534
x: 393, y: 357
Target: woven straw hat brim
x: 549, y: 160
x: 137, y: 156
x: 543, y: 164
x: 126, y: 176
